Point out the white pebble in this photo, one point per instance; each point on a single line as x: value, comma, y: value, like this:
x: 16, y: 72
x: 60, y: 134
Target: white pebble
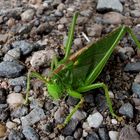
x: 114, y: 121
x: 113, y: 135
x: 60, y: 27
x: 17, y: 120
x: 111, y: 94
x: 11, y: 125
x: 15, y: 99
x: 95, y: 120
x: 84, y: 133
x: 138, y: 127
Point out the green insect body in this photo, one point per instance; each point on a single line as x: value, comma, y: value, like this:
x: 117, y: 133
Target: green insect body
x: 76, y: 73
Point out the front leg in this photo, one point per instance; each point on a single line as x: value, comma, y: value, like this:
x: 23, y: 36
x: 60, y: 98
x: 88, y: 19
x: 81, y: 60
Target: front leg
x: 101, y: 85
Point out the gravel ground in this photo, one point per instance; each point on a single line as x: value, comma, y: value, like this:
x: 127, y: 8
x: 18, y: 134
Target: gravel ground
x: 31, y: 32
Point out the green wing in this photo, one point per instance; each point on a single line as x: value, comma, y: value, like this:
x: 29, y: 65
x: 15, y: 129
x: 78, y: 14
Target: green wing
x: 91, y: 62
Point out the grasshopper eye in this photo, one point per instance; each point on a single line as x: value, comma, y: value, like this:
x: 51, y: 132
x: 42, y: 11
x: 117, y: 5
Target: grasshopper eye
x: 54, y: 90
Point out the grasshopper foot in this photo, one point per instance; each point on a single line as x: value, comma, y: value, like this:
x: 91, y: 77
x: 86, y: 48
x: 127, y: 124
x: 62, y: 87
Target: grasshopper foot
x: 60, y: 126
x: 120, y: 119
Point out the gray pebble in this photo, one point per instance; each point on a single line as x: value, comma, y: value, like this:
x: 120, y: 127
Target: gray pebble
x: 138, y: 127
x: 25, y: 28
x: 78, y: 133
x: 136, y: 89
x: 129, y: 133
x: 34, y: 116
x: 17, y: 89
x: 13, y: 54
x: 44, y: 28
x: 4, y: 112
x: 69, y: 138
x: 135, y: 13
x: 112, y: 18
x: 15, y: 135
x: 30, y: 133
x: 92, y: 136
x: 25, y: 46
x: 19, y: 81
x: 72, y: 101
x: 19, y: 112
x: 132, y: 67
x: 103, y: 134
x: 41, y: 58
x: 107, y: 5
x: 10, y: 69
x: 70, y: 128
x: 59, y: 115
x: 136, y: 31
x: 27, y: 15
x: 127, y: 110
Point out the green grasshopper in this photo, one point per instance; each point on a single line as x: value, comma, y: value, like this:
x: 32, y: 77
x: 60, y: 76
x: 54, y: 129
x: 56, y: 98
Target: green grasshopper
x: 76, y: 73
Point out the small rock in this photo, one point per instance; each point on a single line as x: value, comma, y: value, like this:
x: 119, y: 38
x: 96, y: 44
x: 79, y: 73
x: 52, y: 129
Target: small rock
x: 137, y: 79
x: 136, y: 31
x: 26, y: 47
x: 136, y: 89
x: 25, y: 29
x: 58, y: 13
x: 138, y: 127
x: 78, y: 42
x: 78, y: 133
x: 27, y: 15
x: 112, y: 18
x: 92, y: 136
x: 15, y: 100
x: 19, y: 81
x: 132, y: 67
x: 136, y: 101
x: 41, y: 58
x: 15, y: 135
x: 113, y: 135
x: 13, y: 54
x: 127, y: 110
x: 79, y: 115
x: 30, y: 133
x: 69, y: 138
x: 129, y: 133
x: 2, y: 130
x: 135, y: 13
x: 4, y: 112
x: 59, y: 115
x: 3, y: 38
x: 107, y: 5
x: 10, y: 69
x: 70, y: 128
x: 11, y: 22
x: 86, y: 126
x: 103, y: 134
x: 17, y: 89
x: 2, y: 96
x: 61, y: 7
x: 114, y: 121
x: 11, y: 125
x: 34, y: 116
x: 19, y: 112
x: 95, y: 30
x: 72, y: 101
x: 60, y: 27
x: 44, y: 28
x: 95, y: 120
